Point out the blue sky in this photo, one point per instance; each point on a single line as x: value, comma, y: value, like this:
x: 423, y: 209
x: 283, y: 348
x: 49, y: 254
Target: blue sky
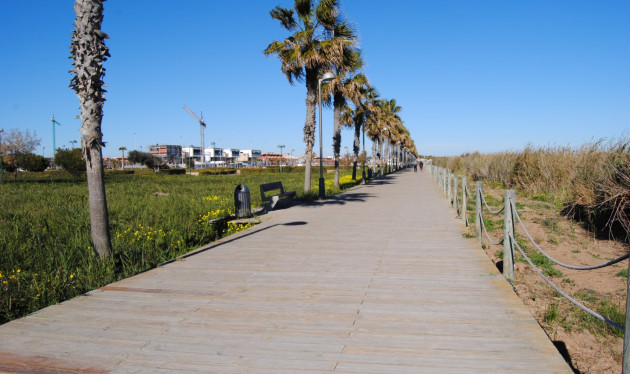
x: 470, y: 76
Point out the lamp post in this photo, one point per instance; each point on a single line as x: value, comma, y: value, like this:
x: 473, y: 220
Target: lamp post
x: 281, y: 146
x: 322, y: 186
x: 214, y: 155
x: 54, y: 122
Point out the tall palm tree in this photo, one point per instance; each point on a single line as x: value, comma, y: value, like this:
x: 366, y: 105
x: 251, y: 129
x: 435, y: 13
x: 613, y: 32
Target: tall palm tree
x: 88, y: 52
x: 391, y: 120
x: 312, y: 48
x: 122, y: 161
x: 358, y: 90
x: 339, y: 88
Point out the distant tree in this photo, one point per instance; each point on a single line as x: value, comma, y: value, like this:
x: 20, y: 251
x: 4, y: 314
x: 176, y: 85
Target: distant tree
x: 190, y: 162
x: 144, y: 158
x: 114, y: 164
x: 88, y: 51
x: 122, y: 164
x: 70, y: 160
x: 32, y: 162
x: 16, y: 143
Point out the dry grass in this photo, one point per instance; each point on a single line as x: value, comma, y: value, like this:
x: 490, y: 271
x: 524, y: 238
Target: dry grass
x: 592, y: 182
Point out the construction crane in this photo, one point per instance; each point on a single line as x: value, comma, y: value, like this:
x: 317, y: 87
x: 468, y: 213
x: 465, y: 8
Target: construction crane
x: 52, y: 120
x: 202, y: 126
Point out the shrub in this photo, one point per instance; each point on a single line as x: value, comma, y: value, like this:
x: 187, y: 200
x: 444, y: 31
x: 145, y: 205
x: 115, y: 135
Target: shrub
x: 178, y: 171
x: 71, y: 160
x: 33, y: 162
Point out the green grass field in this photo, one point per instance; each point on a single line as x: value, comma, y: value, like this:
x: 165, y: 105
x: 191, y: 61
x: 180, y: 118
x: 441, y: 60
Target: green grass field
x: 45, y: 248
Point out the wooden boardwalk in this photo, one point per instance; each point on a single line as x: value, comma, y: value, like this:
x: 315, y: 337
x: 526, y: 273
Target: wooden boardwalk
x: 375, y: 280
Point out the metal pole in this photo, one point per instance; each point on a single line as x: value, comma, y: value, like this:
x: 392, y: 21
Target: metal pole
x: 281, y: 146
x: 322, y: 185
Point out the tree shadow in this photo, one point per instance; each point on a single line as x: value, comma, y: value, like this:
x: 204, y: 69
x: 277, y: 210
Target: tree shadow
x: 562, y: 348
x: 230, y: 239
x: 339, y: 199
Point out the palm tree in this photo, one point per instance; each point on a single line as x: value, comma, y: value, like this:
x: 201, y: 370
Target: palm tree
x: 389, y: 116
x: 312, y: 48
x: 358, y: 91
x: 122, y: 161
x: 338, y: 88
x: 88, y: 52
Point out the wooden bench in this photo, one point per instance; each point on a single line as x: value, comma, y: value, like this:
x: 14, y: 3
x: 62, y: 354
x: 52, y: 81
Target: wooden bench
x: 273, y: 199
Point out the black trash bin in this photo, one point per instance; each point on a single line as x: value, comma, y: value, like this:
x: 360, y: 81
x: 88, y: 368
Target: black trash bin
x: 242, y: 202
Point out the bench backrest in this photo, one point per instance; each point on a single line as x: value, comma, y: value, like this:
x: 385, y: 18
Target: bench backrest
x: 271, y: 187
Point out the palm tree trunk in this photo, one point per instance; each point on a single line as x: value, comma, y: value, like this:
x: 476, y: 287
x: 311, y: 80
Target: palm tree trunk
x: 386, y: 150
x: 89, y: 51
x: 356, y: 147
x: 99, y: 215
x: 337, y: 103
x: 309, y: 124
x: 374, y: 158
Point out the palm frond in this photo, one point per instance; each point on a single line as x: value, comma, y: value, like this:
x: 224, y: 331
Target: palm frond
x: 285, y: 16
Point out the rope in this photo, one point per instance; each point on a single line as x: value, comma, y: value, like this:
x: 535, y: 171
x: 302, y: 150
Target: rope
x: 575, y: 302
x: 483, y: 198
x: 612, y: 262
x: 483, y: 225
x: 469, y: 195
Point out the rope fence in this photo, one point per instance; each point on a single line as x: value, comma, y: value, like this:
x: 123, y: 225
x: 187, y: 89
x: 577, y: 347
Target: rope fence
x: 443, y: 177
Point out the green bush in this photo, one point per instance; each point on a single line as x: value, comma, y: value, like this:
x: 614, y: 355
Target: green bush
x: 71, y: 160
x: 178, y: 171
x: 32, y: 162
x: 118, y: 172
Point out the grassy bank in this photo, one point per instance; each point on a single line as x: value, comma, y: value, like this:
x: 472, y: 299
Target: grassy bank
x: 590, y: 183
x: 45, y: 249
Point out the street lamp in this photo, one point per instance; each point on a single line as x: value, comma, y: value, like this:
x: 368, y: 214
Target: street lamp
x: 281, y: 146
x: 214, y: 156
x: 328, y: 76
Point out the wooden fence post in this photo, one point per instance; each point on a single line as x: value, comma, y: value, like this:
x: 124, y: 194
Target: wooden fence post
x: 455, y: 196
x: 464, y: 210
x: 478, y: 211
x: 508, y: 234
x: 448, y: 186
